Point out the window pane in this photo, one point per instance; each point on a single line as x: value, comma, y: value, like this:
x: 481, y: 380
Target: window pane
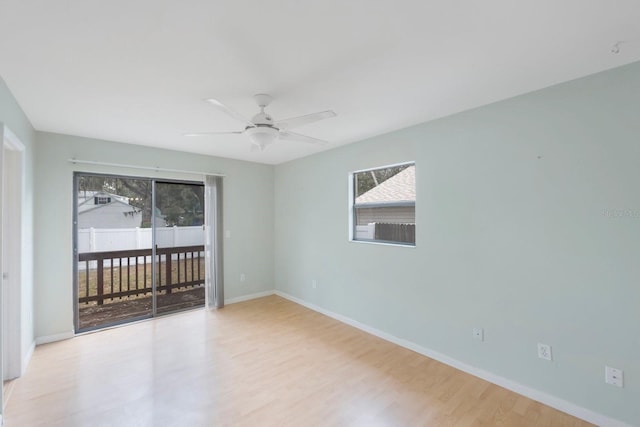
x: 384, y: 205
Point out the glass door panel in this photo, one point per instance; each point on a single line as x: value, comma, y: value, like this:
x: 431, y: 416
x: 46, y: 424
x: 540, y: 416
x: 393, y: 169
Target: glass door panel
x: 179, y: 246
x: 113, y: 268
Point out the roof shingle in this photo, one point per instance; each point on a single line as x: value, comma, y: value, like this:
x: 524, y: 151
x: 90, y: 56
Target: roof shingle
x: 399, y: 188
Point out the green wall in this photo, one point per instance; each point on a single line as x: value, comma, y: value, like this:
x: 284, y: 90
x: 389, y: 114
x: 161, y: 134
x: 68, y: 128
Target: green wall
x: 13, y: 118
x: 528, y: 225
x: 247, y: 214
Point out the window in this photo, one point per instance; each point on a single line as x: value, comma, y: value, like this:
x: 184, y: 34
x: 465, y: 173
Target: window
x: 101, y: 200
x: 384, y: 204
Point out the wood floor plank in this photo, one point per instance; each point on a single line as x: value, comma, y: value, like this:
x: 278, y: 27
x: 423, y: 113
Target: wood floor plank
x: 267, y: 362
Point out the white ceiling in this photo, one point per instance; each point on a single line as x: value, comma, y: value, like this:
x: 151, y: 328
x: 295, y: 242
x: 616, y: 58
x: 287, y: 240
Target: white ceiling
x: 137, y: 71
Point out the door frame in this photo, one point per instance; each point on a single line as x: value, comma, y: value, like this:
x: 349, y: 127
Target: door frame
x: 12, y: 200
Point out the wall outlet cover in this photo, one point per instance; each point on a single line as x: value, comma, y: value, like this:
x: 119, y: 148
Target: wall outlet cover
x: 544, y: 351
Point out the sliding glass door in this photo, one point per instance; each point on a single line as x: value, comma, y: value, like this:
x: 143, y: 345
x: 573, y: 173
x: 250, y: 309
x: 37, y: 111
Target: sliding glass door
x: 138, y: 248
x: 179, y: 245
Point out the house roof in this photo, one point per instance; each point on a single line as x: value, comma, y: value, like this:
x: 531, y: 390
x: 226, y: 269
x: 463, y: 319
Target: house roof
x: 88, y: 196
x: 399, y: 188
x: 89, y: 208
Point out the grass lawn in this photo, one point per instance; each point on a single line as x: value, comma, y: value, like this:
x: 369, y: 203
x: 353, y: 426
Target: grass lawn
x: 137, y: 276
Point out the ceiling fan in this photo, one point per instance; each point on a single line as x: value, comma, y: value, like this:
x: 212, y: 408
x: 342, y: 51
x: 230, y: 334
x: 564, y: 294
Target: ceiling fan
x: 262, y: 130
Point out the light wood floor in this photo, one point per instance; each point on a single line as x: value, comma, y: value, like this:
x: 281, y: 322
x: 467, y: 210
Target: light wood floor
x: 266, y: 362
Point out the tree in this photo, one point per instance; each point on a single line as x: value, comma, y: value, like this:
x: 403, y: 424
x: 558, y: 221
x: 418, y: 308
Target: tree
x: 180, y: 204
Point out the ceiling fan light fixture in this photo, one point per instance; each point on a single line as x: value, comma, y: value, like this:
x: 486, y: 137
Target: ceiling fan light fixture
x: 262, y: 135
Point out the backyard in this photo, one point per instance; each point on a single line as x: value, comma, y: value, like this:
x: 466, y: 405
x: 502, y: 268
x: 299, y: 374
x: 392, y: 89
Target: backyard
x: 116, y: 286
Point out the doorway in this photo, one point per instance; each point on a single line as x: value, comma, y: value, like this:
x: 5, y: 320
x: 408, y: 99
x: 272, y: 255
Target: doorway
x: 139, y: 248
x: 11, y: 259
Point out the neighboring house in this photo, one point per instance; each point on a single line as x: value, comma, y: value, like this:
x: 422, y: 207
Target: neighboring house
x: 393, y: 201
x: 100, y: 209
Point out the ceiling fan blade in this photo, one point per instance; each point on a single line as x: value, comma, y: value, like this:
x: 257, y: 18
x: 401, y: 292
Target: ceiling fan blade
x: 294, y: 122
x: 290, y: 136
x: 211, y: 133
x: 220, y: 106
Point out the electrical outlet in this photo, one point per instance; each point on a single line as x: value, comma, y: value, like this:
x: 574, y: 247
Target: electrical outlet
x: 242, y: 277
x: 614, y: 376
x: 314, y: 283
x: 544, y: 351
x: 478, y: 334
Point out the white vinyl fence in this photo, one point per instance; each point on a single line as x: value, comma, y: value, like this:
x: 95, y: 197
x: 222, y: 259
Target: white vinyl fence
x: 392, y: 232
x: 122, y: 239
x: 365, y: 232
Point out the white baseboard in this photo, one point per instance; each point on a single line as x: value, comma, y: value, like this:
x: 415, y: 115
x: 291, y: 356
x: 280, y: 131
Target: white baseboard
x: 27, y: 358
x: 248, y: 297
x: 55, y: 337
x: 537, y: 395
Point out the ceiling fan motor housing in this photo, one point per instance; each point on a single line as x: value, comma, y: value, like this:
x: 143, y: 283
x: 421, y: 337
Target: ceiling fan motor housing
x: 262, y: 118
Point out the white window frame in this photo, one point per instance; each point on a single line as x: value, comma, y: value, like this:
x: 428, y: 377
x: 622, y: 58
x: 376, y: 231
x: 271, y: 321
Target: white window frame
x: 352, y: 213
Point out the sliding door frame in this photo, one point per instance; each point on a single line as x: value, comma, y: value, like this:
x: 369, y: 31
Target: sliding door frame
x: 154, y: 243
x: 76, y: 304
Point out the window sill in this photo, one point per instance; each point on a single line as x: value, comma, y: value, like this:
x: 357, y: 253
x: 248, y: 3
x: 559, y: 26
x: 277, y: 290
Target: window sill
x: 373, y: 242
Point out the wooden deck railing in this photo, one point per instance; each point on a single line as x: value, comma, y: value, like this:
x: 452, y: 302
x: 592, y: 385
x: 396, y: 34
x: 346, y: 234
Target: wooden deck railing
x: 106, y: 277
